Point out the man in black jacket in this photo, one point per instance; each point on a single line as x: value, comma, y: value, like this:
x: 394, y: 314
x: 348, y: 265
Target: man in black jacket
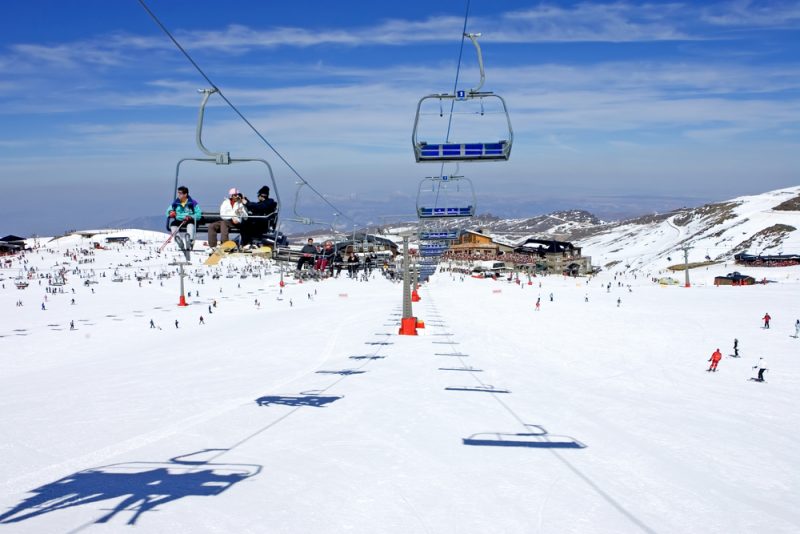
x: 307, y: 254
x: 264, y: 213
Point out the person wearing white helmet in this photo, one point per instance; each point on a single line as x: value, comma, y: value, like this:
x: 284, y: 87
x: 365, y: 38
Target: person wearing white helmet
x: 232, y: 213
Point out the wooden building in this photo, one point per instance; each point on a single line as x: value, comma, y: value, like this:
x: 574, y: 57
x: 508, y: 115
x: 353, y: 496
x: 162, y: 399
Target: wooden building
x: 556, y: 256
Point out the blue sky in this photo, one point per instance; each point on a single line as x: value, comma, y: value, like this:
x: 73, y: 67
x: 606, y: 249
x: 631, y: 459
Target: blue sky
x: 616, y: 106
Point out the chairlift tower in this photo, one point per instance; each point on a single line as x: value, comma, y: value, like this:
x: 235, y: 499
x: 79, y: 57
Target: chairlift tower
x: 686, y: 250
x: 181, y: 275
x: 408, y: 323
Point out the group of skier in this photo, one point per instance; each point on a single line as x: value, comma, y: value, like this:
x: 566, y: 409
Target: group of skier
x: 761, y: 365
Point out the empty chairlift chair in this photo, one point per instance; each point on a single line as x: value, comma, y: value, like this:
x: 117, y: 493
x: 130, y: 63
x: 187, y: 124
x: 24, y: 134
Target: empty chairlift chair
x: 473, y: 102
x: 444, y: 197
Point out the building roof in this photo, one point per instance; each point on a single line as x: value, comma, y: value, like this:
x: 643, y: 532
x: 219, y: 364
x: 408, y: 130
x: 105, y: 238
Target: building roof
x: 547, y: 245
x: 10, y: 238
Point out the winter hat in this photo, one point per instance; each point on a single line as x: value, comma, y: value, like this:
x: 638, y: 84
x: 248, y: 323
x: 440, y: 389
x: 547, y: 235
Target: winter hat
x: 264, y: 191
x: 233, y: 191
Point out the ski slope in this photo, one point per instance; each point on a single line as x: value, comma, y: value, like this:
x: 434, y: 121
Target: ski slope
x: 756, y: 224
x: 314, y: 416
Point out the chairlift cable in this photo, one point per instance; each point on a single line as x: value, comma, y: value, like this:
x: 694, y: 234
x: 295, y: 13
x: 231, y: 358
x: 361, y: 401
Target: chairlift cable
x: 455, y: 83
x: 236, y: 110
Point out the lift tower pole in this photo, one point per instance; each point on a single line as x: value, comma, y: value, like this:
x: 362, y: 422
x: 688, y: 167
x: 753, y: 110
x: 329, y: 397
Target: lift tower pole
x: 686, y: 250
x: 408, y: 324
x: 182, y: 275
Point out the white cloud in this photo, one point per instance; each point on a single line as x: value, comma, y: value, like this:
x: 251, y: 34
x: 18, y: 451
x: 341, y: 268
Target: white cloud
x: 750, y: 14
x: 583, y: 22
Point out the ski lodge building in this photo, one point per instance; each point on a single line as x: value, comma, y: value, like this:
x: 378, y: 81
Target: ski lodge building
x: 11, y: 244
x: 556, y: 256
x: 545, y: 254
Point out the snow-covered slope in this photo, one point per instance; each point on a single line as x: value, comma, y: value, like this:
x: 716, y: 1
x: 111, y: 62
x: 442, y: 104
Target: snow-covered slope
x: 300, y: 409
x: 767, y: 223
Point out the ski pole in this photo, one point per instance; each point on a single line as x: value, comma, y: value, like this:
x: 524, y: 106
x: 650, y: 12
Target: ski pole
x: 177, y: 229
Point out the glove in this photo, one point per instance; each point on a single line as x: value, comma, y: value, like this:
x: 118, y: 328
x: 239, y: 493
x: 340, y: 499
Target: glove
x: 172, y: 214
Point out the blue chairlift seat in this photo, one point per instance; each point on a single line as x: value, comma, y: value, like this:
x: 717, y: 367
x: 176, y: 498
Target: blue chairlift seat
x: 451, y: 235
x: 434, y: 246
x: 496, y: 151
x: 429, y: 213
x: 431, y: 253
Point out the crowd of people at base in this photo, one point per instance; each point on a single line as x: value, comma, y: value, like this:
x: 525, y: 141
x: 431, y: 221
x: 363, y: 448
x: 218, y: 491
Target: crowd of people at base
x: 328, y: 259
x: 251, y: 219
x: 518, y: 258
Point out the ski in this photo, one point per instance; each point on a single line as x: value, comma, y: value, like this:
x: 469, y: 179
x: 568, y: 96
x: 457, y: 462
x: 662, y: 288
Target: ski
x: 171, y: 236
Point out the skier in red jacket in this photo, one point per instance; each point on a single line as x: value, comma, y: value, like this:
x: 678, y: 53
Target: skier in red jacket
x: 715, y: 358
x: 766, y: 320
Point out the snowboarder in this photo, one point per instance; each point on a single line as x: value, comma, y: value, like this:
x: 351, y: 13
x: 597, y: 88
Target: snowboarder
x: 538, y: 303
x: 43, y: 308
x: 715, y: 358
x: 619, y: 301
x: 72, y: 325
x: 152, y: 324
x: 202, y: 321
x: 209, y: 309
x: 761, y: 366
x: 766, y: 319
x: 735, y: 347
x: 797, y: 328
x: 176, y: 323
x: 551, y: 297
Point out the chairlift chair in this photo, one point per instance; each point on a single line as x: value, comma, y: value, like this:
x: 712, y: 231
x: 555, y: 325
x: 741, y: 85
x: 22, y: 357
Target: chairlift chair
x: 437, y: 230
x: 480, y: 150
x: 440, y: 197
x: 224, y: 158
x: 302, y: 219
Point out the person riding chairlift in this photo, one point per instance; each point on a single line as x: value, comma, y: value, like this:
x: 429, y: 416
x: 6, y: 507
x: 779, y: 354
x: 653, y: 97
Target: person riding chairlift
x: 232, y: 213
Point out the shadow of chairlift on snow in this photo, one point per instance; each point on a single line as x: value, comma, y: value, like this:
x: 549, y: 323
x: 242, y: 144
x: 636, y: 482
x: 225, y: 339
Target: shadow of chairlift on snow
x: 539, y: 438
x: 485, y: 389
x: 304, y: 399
x: 137, y: 487
x: 366, y: 357
x: 343, y: 372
